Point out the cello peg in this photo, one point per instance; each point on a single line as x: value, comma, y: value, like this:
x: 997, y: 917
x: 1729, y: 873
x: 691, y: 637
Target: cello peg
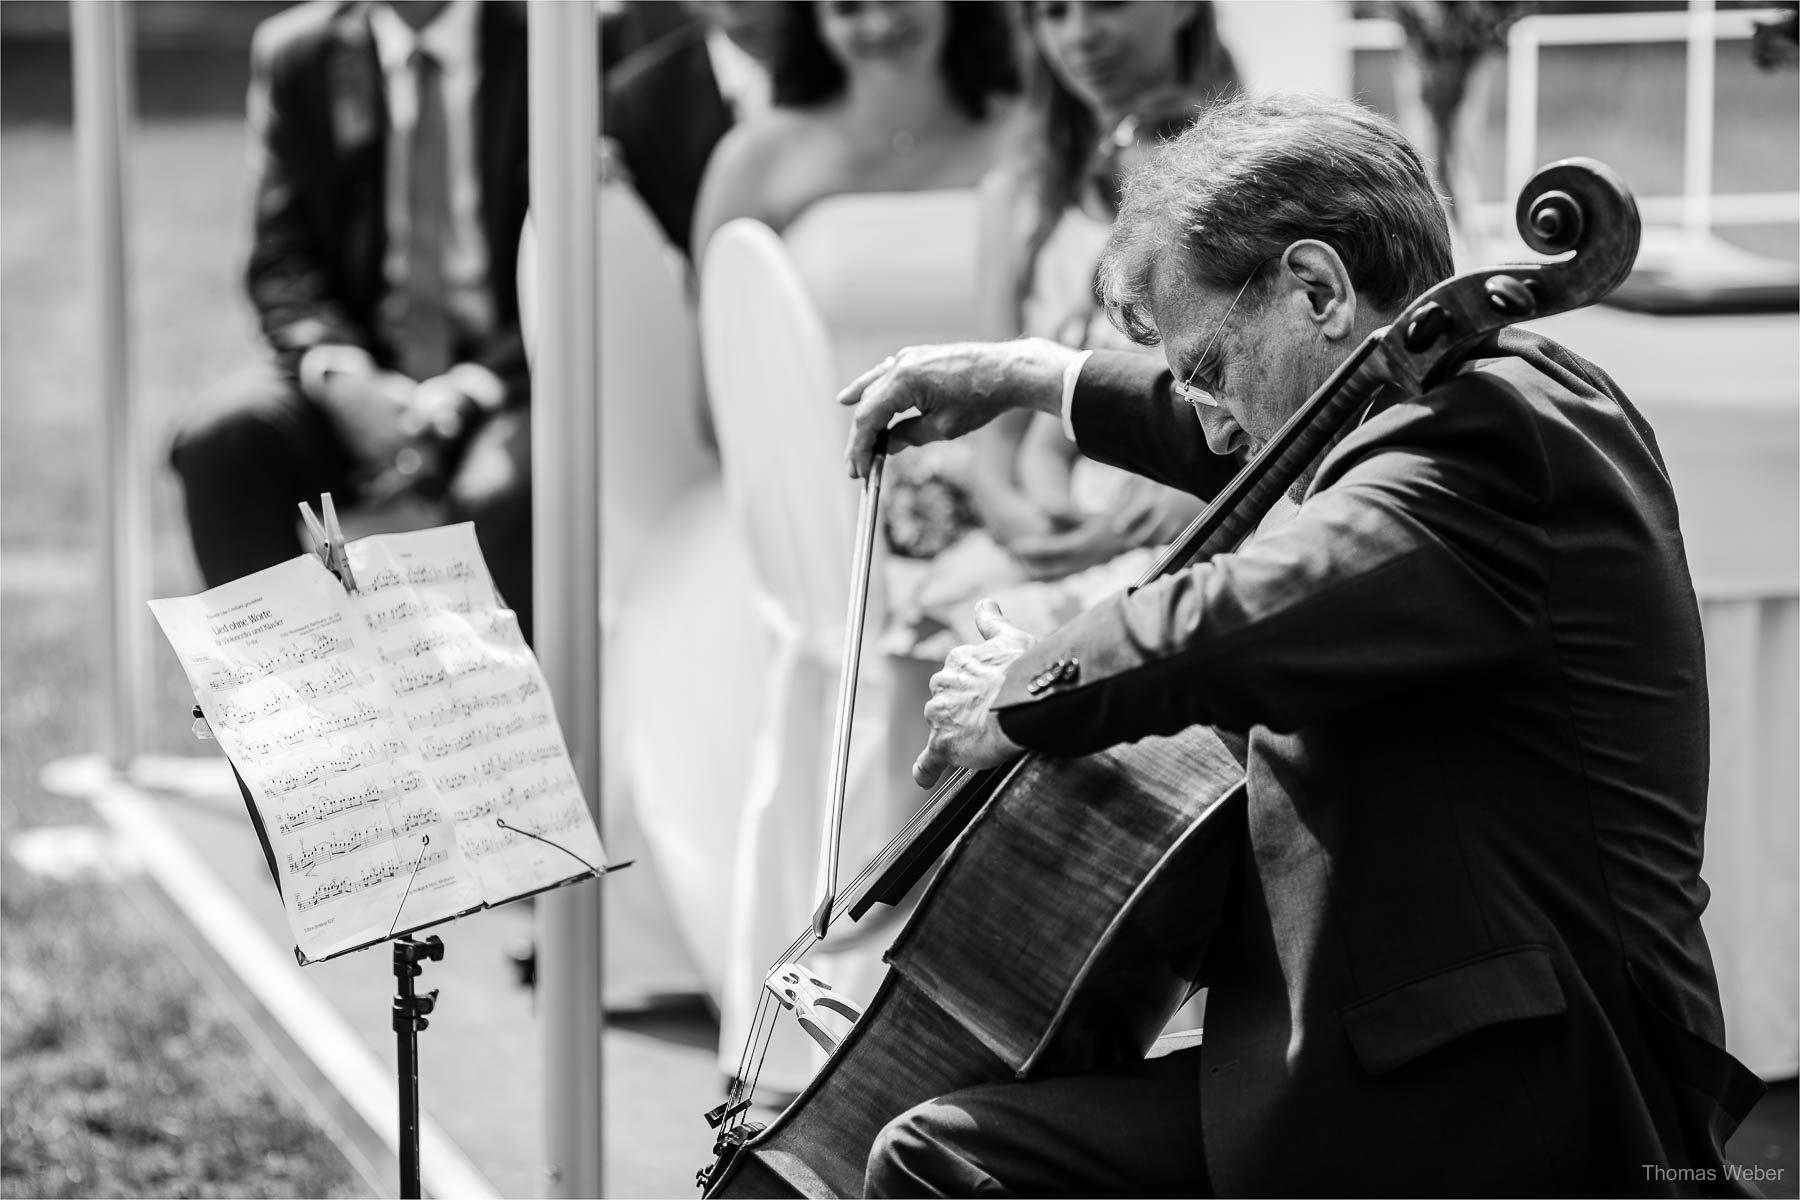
x: 1510, y: 297
x: 1423, y: 330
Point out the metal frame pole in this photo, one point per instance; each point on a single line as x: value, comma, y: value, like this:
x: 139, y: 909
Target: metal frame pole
x: 565, y: 106
x: 102, y: 45
x: 1697, y: 165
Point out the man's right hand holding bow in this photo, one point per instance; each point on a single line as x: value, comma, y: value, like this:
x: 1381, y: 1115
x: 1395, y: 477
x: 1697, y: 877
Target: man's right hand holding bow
x: 955, y: 389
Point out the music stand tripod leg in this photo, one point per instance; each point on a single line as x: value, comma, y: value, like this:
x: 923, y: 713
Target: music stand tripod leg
x: 410, y: 1010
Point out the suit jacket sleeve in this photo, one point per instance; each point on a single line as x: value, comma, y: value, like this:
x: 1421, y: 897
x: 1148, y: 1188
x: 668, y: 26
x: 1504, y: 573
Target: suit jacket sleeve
x: 289, y: 276
x: 503, y: 112
x: 1420, y: 555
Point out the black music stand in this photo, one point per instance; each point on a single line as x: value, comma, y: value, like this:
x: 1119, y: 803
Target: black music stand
x: 410, y: 1011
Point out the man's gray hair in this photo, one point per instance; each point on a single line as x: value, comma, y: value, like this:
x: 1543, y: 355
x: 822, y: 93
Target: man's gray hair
x: 1257, y: 173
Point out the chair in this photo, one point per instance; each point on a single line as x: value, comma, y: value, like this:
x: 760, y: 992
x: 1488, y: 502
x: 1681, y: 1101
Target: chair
x: 653, y: 446
x: 887, y: 270
x: 655, y: 474
x: 771, y: 382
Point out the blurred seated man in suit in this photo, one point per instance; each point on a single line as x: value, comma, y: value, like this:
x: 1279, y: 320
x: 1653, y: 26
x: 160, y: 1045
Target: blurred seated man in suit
x: 391, y: 185
x: 669, y: 103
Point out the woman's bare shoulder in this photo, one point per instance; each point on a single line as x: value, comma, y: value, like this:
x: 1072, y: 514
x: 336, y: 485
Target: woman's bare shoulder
x: 749, y: 172
x: 755, y: 148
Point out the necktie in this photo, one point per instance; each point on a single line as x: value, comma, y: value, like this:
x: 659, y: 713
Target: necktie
x: 424, y: 332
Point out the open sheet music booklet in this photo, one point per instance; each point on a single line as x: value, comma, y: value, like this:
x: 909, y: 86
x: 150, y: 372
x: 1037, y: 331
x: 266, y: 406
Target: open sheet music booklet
x: 394, y: 740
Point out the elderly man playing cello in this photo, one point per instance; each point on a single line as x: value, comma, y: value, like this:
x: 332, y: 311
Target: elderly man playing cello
x: 1465, y: 952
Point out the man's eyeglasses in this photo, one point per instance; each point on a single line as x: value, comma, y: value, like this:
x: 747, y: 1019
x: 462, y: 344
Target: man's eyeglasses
x: 1200, y: 397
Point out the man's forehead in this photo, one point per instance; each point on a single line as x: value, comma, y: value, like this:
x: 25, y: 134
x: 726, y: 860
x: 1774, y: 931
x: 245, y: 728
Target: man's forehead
x: 1178, y: 303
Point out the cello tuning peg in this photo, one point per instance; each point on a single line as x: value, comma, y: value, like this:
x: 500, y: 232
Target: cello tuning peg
x: 1422, y: 331
x: 1510, y: 297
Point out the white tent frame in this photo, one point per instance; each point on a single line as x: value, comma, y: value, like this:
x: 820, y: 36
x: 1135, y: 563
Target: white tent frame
x: 565, y: 70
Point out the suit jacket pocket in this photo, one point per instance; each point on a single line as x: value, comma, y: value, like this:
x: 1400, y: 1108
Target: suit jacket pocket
x: 1394, y: 1027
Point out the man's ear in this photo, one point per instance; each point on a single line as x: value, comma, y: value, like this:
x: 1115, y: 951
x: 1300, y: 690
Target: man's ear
x: 1320, y: 281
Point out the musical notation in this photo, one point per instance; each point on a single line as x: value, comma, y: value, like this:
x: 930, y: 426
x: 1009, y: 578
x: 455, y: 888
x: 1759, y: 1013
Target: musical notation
x: 241, y: 670
x: 409, y: 681
x: 505, y: 763
x: 450, y: 711
x: 499, y: 841
x: 308, y: 856
x: 381, y: 730
x: 303, y: 729
x: 425, y: 643
x: 395, y: 614
x: 516, y: 796
x: 381, y: 581
x: 328, y: 805
x: 419, y: 575
x: 344, y: 759
x: 343, y: 886
x: 492, y: 731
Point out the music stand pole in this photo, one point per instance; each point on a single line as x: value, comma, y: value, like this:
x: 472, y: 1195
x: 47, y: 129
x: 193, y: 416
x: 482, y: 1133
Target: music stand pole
x: 410, y: 1010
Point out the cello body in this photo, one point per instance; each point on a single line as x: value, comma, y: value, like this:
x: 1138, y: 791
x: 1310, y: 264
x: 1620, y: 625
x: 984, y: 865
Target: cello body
x: 1117, y: 881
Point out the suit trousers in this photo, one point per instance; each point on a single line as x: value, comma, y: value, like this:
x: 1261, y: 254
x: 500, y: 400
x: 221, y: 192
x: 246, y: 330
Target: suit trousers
x: 1128, y: 1131
x: 256, y: 447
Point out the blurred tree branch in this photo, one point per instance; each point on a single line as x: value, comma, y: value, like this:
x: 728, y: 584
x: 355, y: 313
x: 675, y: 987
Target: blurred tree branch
x: 1446, y: 61
x: 1776, y: 44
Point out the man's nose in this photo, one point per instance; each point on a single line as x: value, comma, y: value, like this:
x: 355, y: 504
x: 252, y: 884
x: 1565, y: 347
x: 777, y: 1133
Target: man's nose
x: 1223, y: 434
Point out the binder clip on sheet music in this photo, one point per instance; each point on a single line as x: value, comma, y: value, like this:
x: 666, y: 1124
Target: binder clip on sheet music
x: 396, y: 741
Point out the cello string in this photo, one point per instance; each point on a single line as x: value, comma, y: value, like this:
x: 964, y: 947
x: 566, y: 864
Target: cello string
x: 763, y: 1028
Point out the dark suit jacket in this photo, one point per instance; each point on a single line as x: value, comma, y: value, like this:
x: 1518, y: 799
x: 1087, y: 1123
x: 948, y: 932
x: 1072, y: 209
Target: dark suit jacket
x: 315, y: 271
x: 1468, y: 953
x: 664, y: 109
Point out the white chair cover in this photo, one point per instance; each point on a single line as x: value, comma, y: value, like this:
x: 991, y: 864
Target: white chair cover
x: 887, y: 270
x: 1723, y: 394
x: 781, y: 438
x: 685, y: 676
x: 654, y: 463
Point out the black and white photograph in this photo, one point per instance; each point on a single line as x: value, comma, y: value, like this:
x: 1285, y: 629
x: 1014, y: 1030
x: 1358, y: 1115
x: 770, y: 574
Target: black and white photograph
x: 899, y: 598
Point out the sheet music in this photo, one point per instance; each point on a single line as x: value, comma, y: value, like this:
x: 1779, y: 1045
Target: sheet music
x: 385, y: 735
x: 474, y: 698
x: 279, y: 661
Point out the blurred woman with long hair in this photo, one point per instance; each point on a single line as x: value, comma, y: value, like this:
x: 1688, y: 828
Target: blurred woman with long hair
x: 1029, y: 522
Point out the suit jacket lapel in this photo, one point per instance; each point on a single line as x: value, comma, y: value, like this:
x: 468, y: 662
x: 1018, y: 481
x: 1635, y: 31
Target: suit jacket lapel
x: 359, y: 135
x: 500, y: 122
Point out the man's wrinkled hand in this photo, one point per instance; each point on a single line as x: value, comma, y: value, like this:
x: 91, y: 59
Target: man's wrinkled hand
x: 964, y: 730
x: 952, y: 390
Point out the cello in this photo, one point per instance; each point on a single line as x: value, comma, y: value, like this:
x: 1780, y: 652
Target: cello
x: 1060, y: 936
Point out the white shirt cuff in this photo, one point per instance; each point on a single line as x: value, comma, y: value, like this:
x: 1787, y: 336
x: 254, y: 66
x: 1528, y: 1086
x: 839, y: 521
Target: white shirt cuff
x: 1071, y: 373
x: 330, y: 358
